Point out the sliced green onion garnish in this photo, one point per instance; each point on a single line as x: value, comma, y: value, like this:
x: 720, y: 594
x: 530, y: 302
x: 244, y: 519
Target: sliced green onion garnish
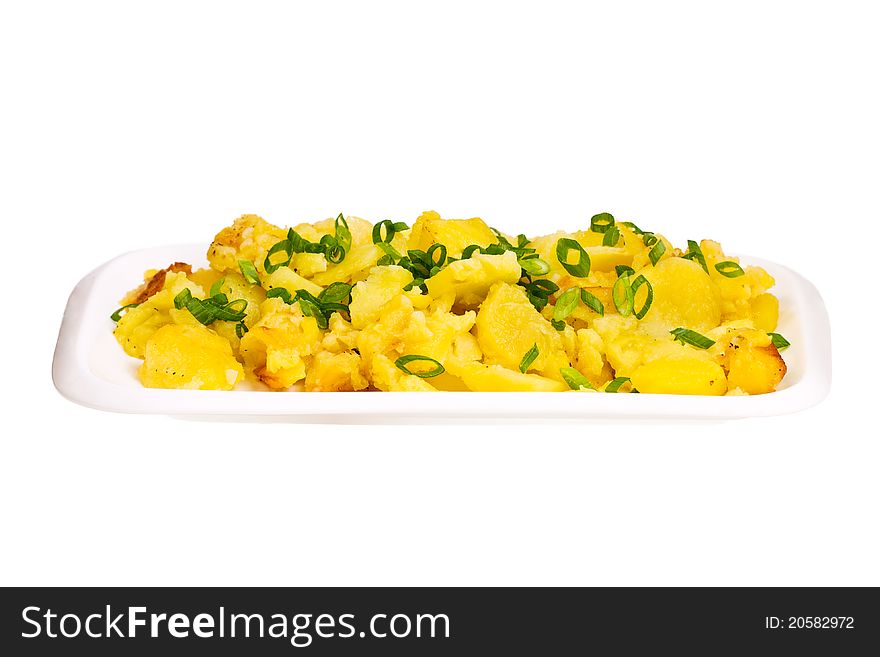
x: 612, y: 236
x: 620, y: 270
x: 281, y: 293
x: 649, y: 238
x: 403, y: 361
x: 117, y: 314
x: 528, y: 358
x: 593, y: 302
x: 335, y: 293
x: 623, y: 296
x: 390, y: 251
x: 182, y: 298
x: 534, y: 266
x: 574, y: 379
x: 203, y: 312
x: 279, y: 247
x: 778, y: 341
x: 601, y: 222
x: 335, y: 252
x: 658, y: 250
x: 633, y: 227
x: 390, y: 229
x: 249, y: 272
x: 217, y: 288
x: 539, y: 292
x: 440, y: 259
x: 695, y: 253
x: 469, y: 251
x: 565, y: 306
x: 729, y: 268
x: 614, y: 386
x: 580, y: 269
x: 636, y: 284
x: 234, y: 311
x: 343, y: 234
x: 686, y: 336
x: 240, y: 330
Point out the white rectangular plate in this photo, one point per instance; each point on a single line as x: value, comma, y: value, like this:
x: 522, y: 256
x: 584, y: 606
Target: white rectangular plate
x: 91, y: 369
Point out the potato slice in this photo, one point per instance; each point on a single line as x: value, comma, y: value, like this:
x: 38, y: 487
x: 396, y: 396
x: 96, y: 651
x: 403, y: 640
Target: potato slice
x: 455, y: 234
x: 684, y: 295
x: 508, y: 326
x: 469, y: 280
x: 680, y: 376
x: 189, y: 356
x: 755, y: 370
x: 496, y: 378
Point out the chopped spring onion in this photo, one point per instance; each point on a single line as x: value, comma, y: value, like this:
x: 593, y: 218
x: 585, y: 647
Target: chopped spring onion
x: 240, y: 330
x: 534, y: 266
x: 403, y: 361
x: 390, y: 252
x: 620, y: 270
x: 565, y: 306
x: 686, y: 336
x: 612, y: 236
x: 335, y: 293
x: 593, y: 302
x: 580, y: 269
x: 633, y: 227
x: 391, y: 228
x: 528, y: 358
x: 601, y: 222
x: 117, y: 314
x: 281, y: 293
x: 655, y: 253
x: 441, y: 259
x: 695, y: 253
x: 623, y: 296
x: 649, y: 238
x: 574, y: 379
x: 469, y: 251
x: 614, y: 386
x: 333, y: 250
x: 539, y: 292
x: 636, y: 284
x: 343, y: 233
x: 249, y: 272
x: 729, y: 268
x: 217, y: 288
x: 215, y: 308
x: 778, y: 341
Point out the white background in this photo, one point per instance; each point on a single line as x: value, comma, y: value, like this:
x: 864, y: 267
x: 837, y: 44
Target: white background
x: 127, y: 125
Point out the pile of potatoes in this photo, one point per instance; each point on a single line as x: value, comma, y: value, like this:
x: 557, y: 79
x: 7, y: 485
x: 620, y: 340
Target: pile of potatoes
x: 473, y: 317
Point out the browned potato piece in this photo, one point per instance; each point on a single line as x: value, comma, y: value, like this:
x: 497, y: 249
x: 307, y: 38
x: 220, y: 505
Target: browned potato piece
x: 755, y: 370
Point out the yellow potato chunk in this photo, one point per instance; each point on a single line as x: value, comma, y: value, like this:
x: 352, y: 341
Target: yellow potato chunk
x: 765, y: 312
x: 139, y: 324
x: 368, y: 296
x: 507, y: 327
x: 189, y: 356
x: 680, y: 376
x: 496, y: 378
x: 291, y: 281
x: 754, y: 370
x: 455, y: 234
x: 277, y: 347
x: 469, y: 280
x: 249, y: 238
x: 355, y: 267
x: 335, y: 373
x: 684, y: 296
